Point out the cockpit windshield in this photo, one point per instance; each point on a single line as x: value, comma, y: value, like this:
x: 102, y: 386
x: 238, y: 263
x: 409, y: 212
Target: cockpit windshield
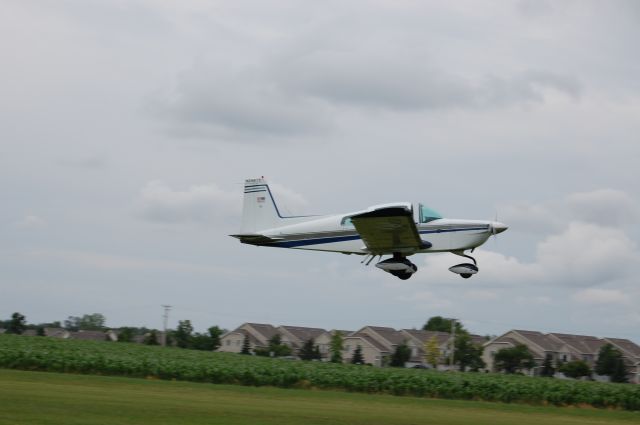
x: 427, y: 214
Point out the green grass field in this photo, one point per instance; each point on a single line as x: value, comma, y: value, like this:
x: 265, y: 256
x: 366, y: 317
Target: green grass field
x: 136, y: 360
x: 45, y: 398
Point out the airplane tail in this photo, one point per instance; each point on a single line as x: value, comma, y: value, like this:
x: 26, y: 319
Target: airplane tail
x: 259, y: 209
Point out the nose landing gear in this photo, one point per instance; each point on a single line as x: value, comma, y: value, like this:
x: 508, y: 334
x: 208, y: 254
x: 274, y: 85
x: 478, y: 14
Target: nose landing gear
x: 465, y: 270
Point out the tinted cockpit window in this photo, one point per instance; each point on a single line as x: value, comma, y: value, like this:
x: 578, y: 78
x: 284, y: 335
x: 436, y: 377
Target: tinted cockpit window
x: 427, y: 214
x: 346, y: 222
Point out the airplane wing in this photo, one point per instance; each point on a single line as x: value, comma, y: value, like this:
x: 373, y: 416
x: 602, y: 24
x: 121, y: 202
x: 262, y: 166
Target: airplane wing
x: 389, y: 229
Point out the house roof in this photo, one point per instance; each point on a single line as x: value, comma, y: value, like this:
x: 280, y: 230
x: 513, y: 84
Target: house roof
x: 541, y: 340
x: 302, y: 333
x: 478, y: 339
x: 89, y: 335
x: 343, y: 332
x: 375, y: 344
x: 425, y: 336
x: 266, y: 330
x: 584, y: 344
x: 390, y: 335
x: 54, y: 331
x: 629, y: 346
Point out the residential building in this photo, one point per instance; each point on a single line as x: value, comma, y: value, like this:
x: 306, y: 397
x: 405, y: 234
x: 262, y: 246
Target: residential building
x: 259, y: 335
x: 296, y: 336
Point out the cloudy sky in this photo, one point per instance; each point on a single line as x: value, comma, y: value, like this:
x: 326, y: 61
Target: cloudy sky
x: 128, y: 127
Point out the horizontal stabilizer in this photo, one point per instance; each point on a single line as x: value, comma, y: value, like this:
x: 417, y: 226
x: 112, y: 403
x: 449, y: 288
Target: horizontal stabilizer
x: 255, y: 239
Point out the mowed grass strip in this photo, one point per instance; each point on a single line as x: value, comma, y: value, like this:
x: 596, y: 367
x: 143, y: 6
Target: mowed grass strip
x: 50, y: 398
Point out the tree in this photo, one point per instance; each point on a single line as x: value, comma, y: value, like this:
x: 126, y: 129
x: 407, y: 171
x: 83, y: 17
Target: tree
x: 88, y: 322
x: 357, y: 358
x: 17, y: 324
x: 513, y: 359
x: 206, y: 341
x: 432, y: 352
x: 441, y: 324
x: 308, y: 350
x: 246, y: 345
x: 575, y: 369
x: 400, y: 356
x: 611, y: 363
x: 275, y: 348
x: 336, y: 347
x: 547, y: 367
x: 126, y: 334
x: 466, y: 353
x: 620, y: 372
x: 183, y: 334
x: 151, y: 338
x: 215, y: 333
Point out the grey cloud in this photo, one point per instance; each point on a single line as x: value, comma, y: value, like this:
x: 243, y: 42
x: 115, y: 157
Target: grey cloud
x: 408, y: 81
x: 283, y: 95
x: 90, y: 162
x: 201, y: 203
x: 604, y: 207
x: 607, y: 207
x: 213, y: 100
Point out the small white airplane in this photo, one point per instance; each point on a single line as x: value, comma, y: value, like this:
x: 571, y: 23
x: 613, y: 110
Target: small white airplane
x: 397, y: 229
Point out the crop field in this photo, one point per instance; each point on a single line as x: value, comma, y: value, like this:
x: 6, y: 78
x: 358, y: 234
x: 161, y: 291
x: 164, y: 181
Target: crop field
x: 37, y: 398
x: 134, y: 360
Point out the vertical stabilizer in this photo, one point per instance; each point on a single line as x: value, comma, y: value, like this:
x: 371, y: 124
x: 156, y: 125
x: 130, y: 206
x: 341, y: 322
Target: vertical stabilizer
x: 259, y: 210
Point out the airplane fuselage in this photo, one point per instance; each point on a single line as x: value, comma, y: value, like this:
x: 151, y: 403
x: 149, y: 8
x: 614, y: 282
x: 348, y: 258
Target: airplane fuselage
x: 334, y: 234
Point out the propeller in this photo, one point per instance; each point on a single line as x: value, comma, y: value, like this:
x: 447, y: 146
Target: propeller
x: 497, y: 227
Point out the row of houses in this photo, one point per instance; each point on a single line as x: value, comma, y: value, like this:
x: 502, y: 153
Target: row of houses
x: 376, y: 342
x: 379, y: 343
x: 561, y: 347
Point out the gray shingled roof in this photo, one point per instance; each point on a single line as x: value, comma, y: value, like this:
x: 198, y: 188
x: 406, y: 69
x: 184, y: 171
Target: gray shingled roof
x: 584, y: 344
x: 541, y: 340
x: 626, y: 345
x: 389, y: 334
x: 264, y: 329
x: 371, y: 341
x: 304, y: 334
x: 89, y: 335
x: 425, y: 336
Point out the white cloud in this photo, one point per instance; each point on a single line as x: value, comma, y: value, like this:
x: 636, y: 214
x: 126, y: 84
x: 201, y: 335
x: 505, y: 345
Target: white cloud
x: 582, y: 255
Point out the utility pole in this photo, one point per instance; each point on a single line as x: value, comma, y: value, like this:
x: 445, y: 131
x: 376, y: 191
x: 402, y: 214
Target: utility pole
x: 453, y: 342
x: 165, y: 318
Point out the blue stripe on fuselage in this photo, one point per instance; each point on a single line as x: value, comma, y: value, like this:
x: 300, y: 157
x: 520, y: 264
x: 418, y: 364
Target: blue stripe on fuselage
x: 333, y: 239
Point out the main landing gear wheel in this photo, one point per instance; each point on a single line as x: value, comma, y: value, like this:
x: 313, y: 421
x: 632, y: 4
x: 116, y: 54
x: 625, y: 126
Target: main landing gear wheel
x: 398, y: 266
